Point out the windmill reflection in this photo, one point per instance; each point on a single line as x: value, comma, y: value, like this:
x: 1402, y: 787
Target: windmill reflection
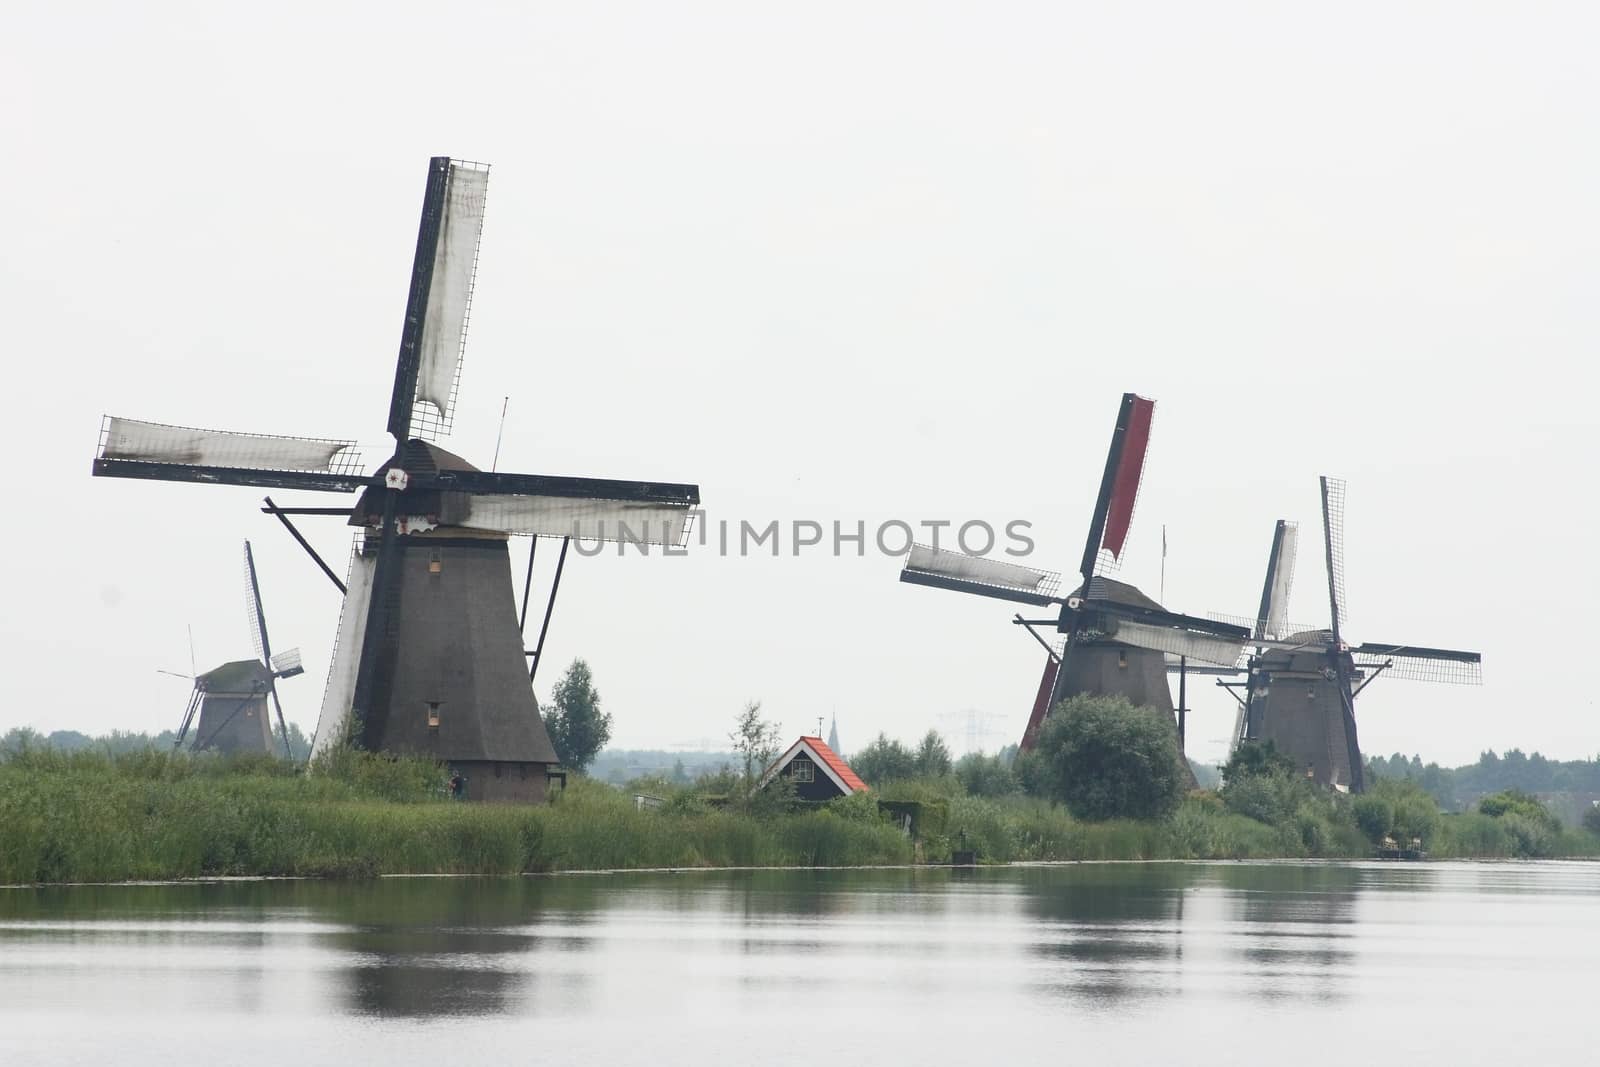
x: 1294, y: 927
x: 1108, y: 933
x: 423, y: 948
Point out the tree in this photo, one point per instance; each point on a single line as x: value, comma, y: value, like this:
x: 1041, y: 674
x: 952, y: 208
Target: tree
x: 1112, y: 760
x: 578, y: 728
x: 755, y: 739
x: 933, y: 756
x: 985, y: 776
x: 884, y: 761
x: 1252, y: 759
x: 1591, y: 819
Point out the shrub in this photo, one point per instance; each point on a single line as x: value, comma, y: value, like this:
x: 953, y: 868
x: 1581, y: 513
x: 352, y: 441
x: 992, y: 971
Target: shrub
x: 1254, y: 759
x: 1113, y: 760
x: 1268, y: 797
x: 1374, y: 815
x: 985, y: 776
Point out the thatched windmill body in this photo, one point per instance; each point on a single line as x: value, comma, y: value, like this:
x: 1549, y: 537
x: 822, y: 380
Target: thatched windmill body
x: 430, y: 655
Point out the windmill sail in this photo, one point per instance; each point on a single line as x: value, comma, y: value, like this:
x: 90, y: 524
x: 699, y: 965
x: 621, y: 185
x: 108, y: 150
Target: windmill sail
x: 130, y: 440
x: 455, y: 267
x: 253, y: 613
x: 1333, y: 544
x: 942, y: 568
x: 631, y: 522
x: 1418, y: 664
x: 1215, y: 649
x: 1128, y: 474
x: 440, y: 299
x: 340, y: 691
x: 1280, y: 579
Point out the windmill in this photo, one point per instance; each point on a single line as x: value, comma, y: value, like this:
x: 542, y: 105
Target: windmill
x: 1115, y: 637
x: 1301, y: 683
x: 429, y: 657
x: 231, y: 700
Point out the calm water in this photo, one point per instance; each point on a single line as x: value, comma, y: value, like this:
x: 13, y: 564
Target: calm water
x: 1122, y: 963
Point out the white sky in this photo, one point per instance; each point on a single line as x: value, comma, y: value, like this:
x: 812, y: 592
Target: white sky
x: 845, y: 262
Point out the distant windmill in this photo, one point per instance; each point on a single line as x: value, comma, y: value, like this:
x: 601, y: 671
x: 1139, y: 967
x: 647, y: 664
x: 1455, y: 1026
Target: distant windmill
x: 1301, y: 683
x: 231, y: 700
x: 1115, y: 636
x: 430, y: 655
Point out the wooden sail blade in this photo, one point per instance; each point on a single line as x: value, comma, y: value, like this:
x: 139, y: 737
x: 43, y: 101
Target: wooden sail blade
x: 439, y: 300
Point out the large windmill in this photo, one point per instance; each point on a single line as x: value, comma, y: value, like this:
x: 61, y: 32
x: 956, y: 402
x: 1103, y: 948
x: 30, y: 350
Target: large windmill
x: 1116, y: 638
x: 231, y: 700
x: 430, y: 654
x: 1301, y: 683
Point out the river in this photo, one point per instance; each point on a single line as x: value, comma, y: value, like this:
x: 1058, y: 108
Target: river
x: 1192, y: 963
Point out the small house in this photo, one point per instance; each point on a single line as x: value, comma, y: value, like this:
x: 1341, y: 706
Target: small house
x: 817, y: 771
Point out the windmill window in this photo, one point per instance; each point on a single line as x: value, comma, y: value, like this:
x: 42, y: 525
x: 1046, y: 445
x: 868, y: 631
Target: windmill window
x: 1122, y: 659
x: 434, y: 563
x: 803, y: 770
x: 498, y: 770
x: 522, y: 771
x: 433, y: 714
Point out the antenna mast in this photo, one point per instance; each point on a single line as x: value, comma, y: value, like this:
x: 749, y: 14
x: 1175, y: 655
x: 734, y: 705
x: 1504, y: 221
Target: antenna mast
x: 499, y: 434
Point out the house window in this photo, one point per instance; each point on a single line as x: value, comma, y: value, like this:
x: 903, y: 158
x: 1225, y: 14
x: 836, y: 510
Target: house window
x: 433, y: 714
x: 498, y: 769
x: 803, y: 770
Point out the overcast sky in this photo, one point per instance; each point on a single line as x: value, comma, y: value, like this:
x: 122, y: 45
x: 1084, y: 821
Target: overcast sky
x: 836, y: 262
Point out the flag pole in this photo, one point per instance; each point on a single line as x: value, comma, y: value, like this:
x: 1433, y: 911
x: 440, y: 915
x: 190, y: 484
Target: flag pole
x: 1163, y: 596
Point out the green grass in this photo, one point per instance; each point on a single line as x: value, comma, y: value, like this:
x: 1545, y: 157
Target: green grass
x: 94, y: 817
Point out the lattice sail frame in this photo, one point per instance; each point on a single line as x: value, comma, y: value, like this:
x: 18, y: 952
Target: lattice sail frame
x: 981, y: 570
x: 427, y: 420
x: 252, y: 607
x: 159, y: 442
x: 1105, y: 563
x: 1421, y: 668
x: 1333, y: 500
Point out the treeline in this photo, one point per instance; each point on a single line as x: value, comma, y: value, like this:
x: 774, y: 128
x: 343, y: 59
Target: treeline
x: 1459, y: 788
x: 119, y: 742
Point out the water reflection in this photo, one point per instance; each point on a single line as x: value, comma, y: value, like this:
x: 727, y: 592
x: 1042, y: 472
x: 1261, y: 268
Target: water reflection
x: 670, y: 967
x: 451, y: 947
x: 1112, y: 932
x: 1293, y: 927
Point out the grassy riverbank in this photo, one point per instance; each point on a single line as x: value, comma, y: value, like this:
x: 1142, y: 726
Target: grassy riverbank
x: 150, y: 815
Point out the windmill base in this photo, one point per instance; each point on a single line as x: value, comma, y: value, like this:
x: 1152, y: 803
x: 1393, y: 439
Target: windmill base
x: 488, y: 782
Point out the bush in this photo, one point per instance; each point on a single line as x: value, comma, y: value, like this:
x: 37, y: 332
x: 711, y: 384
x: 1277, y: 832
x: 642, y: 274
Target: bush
x: 1255, y: 759
x: 1374, y: 814
x: 1112, y: 760
x: 1516, y: 802
x: 985, y: 776
x: 1267, y: 797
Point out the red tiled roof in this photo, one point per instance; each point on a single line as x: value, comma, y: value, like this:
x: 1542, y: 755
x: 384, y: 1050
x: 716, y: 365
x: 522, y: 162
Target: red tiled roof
x: 839, y: 766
